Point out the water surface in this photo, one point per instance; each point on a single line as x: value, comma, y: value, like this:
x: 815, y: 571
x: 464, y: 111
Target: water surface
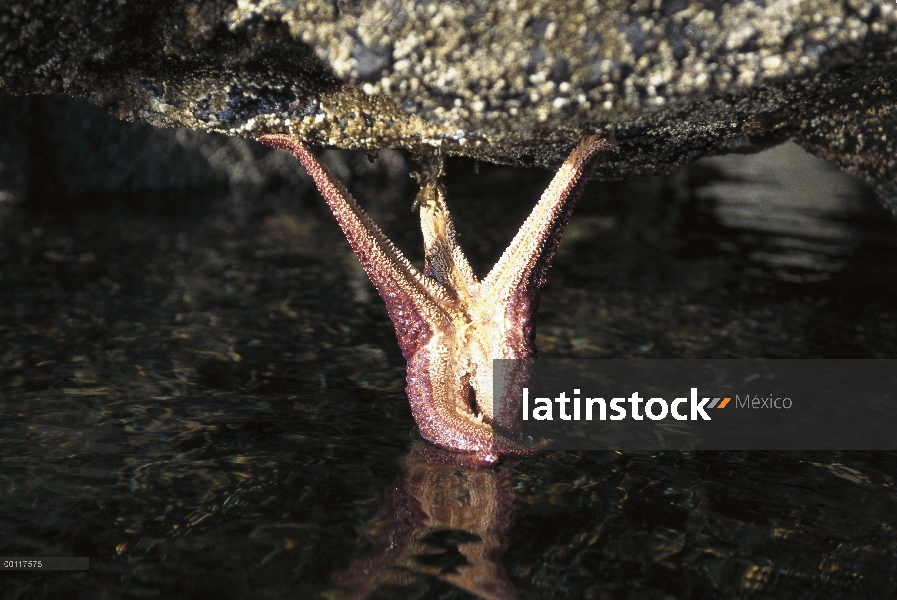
x: 207, y: 400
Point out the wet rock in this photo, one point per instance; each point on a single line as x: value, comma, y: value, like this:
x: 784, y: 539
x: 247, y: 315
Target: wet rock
x: 667, y: 80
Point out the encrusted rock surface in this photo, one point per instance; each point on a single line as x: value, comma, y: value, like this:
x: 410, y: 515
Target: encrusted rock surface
x: 513, y: 82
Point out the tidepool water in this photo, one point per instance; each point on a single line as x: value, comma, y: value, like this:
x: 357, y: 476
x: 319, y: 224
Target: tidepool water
x: 207, y: 399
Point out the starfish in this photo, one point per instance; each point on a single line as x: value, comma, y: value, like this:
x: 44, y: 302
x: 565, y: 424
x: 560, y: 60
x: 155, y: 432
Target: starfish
x: 451, y: 326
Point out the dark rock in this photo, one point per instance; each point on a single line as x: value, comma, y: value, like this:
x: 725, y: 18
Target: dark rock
x: 668, y: 81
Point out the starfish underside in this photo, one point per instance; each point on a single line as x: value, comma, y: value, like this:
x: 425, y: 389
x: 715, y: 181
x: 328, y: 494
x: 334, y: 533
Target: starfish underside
x: 450, y: 325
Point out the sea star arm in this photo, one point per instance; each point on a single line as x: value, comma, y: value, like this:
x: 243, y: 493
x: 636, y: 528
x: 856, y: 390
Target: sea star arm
x: 523, y: 268
x: 412, y: 301
x: 509, y: 296
x: 450, y: 326
x: 445, y: 262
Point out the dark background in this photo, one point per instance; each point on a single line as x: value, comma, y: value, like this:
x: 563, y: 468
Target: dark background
x: 201, y: 391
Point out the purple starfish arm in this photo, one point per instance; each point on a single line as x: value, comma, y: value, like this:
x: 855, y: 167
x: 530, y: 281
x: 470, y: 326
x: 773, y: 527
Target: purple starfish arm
x: 449, y: 325
x: 523, y: 268
x: 412, y: 300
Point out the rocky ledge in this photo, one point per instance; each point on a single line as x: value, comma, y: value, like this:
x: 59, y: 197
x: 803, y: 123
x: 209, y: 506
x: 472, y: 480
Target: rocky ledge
x: 511, y: 82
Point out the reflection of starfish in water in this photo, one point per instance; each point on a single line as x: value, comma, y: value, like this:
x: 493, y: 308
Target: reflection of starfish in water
x: 443, y: 522
x: 450, y: 325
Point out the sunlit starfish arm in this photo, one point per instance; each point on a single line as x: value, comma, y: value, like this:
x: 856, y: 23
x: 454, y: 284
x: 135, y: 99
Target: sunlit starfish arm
x: 445, y: 262
x: 413, y: 301
x: 508, y: 298
x: 524, y: 265
x: 450, y: 326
